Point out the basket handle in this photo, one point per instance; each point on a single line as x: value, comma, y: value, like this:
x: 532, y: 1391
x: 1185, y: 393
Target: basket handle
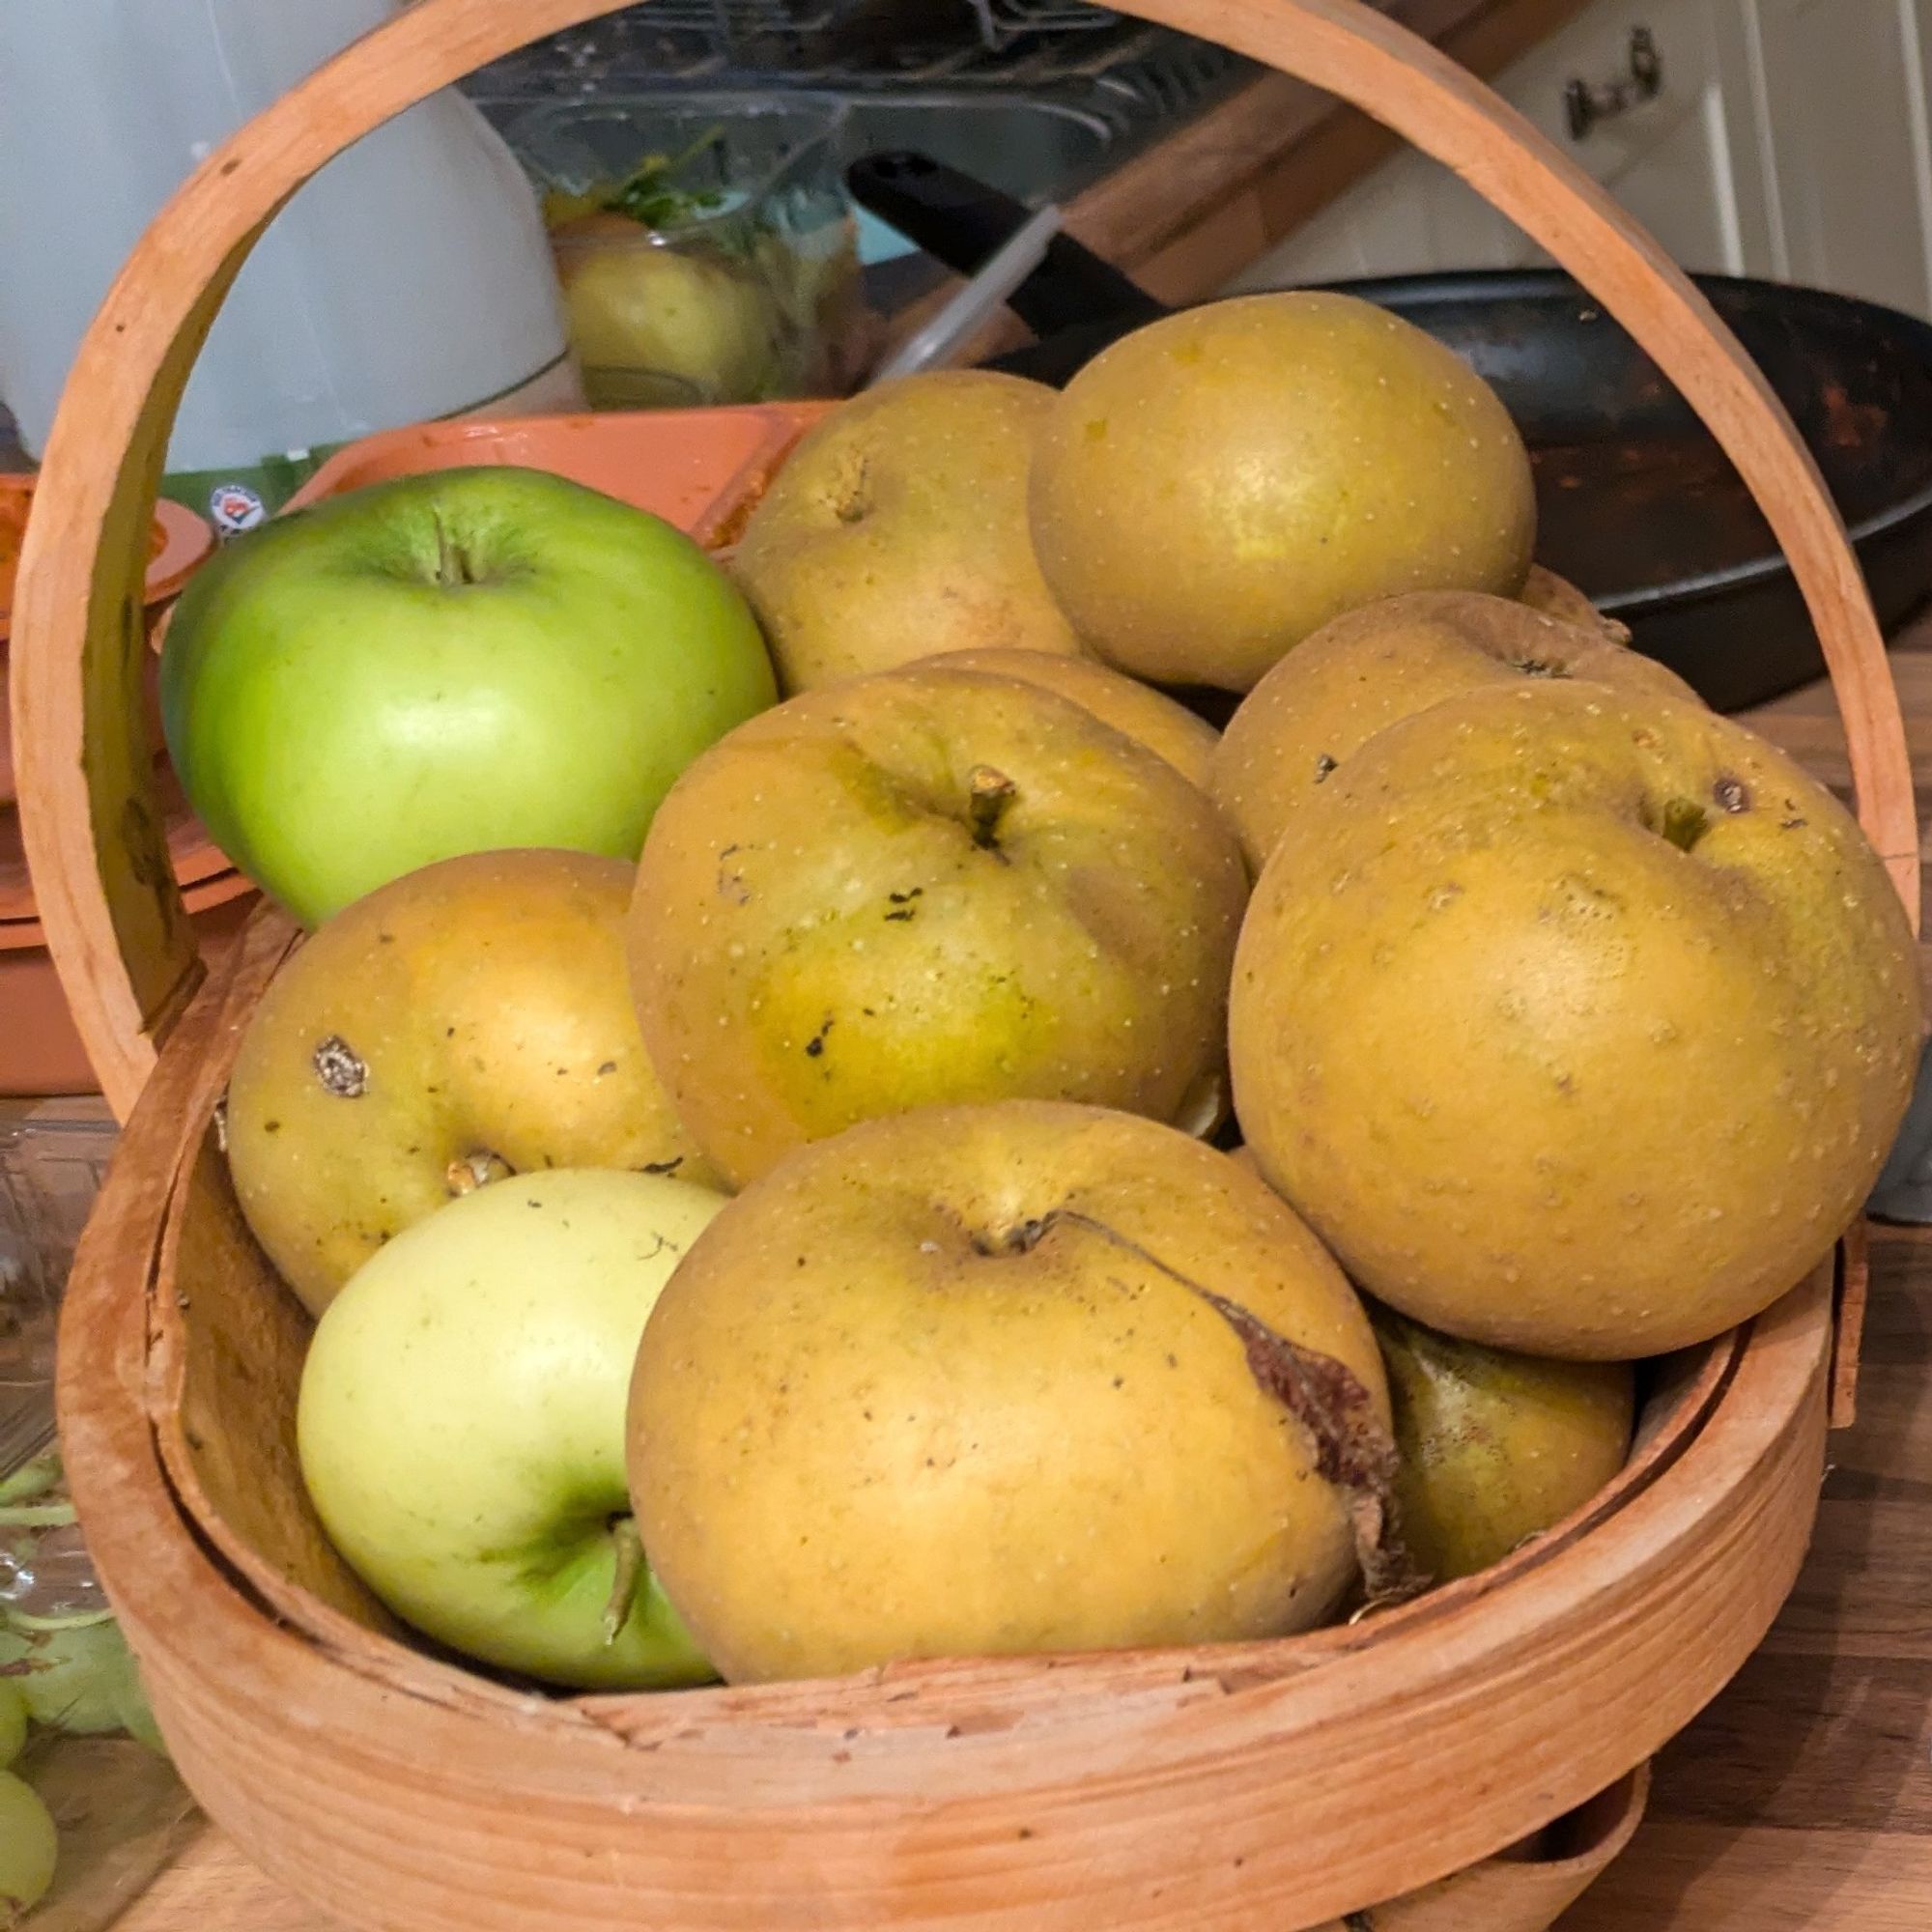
x: 106, y: 893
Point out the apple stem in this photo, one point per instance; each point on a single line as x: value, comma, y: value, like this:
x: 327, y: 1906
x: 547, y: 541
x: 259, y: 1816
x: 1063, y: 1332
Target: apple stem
x: 630, y: 1573
x: 989, y: 792
x: 453, y: 566
x: 469, y: 1172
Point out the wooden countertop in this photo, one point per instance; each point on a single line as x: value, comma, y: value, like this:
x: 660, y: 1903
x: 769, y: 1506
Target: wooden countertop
x: 1801, y: 1799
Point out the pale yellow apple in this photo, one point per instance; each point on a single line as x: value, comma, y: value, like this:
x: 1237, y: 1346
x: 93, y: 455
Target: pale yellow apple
x: 1330, y: 695
x: 1217, y: 484
x: 986, y: 1380
x: 462, y: 1419
x: 927, y: 886
x: 898, y: 529
x: 1574, y: 1024
x: 468, y: 1020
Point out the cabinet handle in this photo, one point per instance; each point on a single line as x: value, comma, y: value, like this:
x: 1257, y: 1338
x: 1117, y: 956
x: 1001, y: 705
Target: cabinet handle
x: 1584, y: 105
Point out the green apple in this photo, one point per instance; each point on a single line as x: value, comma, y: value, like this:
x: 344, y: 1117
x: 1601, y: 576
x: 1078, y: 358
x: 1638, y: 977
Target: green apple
x: 448, y: 663
x: 461, y: 1424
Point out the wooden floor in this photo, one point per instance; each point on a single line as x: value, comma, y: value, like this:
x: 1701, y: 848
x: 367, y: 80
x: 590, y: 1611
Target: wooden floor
x: 1801, y: 1799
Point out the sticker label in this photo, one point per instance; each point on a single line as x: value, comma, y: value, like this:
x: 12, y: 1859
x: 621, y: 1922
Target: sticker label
x: 233, y: 507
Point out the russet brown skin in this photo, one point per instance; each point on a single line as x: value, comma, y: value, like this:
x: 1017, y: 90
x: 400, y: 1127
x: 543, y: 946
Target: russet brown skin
x: 1574, y: 1025
x: 926, y: 887
x: 1219, y: 484
x: 1557, y: 597
x: 1358, y: 675
x: 953, y: 1384
x: 1149, y: 716
x: 898, y: 529
x: 469, y: 1019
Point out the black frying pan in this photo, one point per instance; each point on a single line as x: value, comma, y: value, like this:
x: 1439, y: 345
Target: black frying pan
x: 1639, y: 507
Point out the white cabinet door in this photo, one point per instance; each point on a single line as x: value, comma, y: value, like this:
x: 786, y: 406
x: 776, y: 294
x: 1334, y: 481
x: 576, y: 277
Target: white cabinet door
x: 1685, y: 163
x: 1842, y: 86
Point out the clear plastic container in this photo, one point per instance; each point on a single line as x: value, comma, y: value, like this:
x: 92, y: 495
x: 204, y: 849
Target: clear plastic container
x: 89, y: 1752
x: 704, y: 243
x: 54, y: 1156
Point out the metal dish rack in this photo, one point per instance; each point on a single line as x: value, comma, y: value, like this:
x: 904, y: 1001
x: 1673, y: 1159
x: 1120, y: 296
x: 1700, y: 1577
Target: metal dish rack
x: 1064, y: 48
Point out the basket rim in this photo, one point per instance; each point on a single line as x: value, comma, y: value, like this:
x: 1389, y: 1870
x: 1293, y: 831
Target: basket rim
x: 962, y: 1697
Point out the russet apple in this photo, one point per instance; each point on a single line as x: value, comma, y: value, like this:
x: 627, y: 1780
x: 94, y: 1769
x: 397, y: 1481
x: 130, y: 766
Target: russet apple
x: 1149, y: 716
x: 471, y: 1019
x: 897, y: 529
x: 1217, y: 485
x: 1330, y: 695
x: 925, y: 886
x: 453, y: 662
x: 1495, y: 1447
x: 986, y: 1381
x: 1557, y: 597
x: 461, y: 1425
x: 1574, y: 1024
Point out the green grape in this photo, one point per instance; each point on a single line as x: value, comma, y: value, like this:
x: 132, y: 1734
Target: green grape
x: 77, y: 1676
x: 13, y: 1720
x: 27, y: 1848
x: 32, y: 1480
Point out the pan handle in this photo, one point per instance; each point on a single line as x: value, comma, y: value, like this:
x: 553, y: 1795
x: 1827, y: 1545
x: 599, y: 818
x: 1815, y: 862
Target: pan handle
x: 962, y: 222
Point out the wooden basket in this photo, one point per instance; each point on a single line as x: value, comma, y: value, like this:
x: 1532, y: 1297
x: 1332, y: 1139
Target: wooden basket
x: 1277, y: 1785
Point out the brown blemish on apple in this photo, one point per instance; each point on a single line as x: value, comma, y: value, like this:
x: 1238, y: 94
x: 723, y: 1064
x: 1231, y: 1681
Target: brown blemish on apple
x: 341, y: 1071
x: 1352, y: 1449
x: 730, y: 883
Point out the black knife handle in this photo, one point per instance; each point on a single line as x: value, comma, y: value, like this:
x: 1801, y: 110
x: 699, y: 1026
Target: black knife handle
x: 962, y: 222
